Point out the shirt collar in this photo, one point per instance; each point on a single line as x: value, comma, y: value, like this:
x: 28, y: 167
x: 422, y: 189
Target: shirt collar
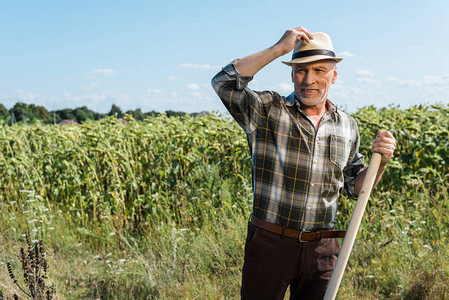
x: 290, y: 100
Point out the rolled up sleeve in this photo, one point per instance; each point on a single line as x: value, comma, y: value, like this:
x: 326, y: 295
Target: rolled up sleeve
x: 232, y: 88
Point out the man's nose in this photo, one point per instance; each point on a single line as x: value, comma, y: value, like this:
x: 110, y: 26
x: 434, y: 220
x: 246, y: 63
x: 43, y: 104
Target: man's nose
x: 308, y: 78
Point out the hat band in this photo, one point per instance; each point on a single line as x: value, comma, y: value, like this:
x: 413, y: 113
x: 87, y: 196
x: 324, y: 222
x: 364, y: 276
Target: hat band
x: 306, y: 53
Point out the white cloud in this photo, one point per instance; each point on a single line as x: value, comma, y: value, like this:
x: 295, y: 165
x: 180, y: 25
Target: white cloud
x: 364, y: 73
x: 7, y: 101
x: 200, y: 66
x: 171, y: 78
x: 409, y: 82
x: 154, y: 91
x: 192, y: 86
x: 419, y: 48
x: 426, y: 81
x: 98, y: 101
x: 200, y: 96
x: 391, y: 78
x: 383, y: 92
x: 104, y: 72
x: 345, y: 54
x: 349, y: 98
x: 285, y: 88
x: 403, y: 82
x: 435, y: 94
x: 365, y: 79
x: 25, y: 96
x: 99, y: 72
x: 436, y: 79
x: 193, y: 101
x: 90, y: 86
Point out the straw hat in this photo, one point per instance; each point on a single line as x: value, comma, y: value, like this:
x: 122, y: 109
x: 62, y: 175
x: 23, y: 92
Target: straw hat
x: 318, y: 49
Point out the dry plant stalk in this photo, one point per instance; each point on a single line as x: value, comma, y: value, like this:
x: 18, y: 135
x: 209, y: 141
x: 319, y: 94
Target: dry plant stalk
x: 34, y: 271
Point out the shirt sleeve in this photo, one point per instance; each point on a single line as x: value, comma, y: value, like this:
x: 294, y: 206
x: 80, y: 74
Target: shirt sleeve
x: 245, y: 105
x: 355, y: 164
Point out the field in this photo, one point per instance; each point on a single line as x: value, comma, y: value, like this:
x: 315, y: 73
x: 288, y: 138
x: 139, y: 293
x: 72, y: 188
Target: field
x: 157, y: 209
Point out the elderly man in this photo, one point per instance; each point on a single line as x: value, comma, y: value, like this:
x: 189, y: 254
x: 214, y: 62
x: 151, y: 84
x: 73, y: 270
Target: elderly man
x: 304, y: 152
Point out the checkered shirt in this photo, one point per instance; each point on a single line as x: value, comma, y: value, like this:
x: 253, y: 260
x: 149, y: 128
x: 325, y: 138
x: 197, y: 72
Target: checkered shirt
x: 298, y: 172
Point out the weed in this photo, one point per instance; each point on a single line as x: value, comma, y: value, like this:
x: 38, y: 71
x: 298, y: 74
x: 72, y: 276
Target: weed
x: 34, y: 271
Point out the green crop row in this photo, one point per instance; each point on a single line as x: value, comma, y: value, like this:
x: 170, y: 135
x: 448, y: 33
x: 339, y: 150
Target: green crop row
x: 139, y: 170
x: 173, y: 168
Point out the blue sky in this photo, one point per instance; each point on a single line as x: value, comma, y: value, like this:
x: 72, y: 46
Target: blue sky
x: 161, y: 55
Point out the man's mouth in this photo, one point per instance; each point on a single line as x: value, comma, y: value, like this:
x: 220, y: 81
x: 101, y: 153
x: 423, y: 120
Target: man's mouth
x: 309, y: 92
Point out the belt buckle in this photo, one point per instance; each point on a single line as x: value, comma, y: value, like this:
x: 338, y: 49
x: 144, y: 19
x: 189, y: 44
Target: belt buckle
x: 300, y: 236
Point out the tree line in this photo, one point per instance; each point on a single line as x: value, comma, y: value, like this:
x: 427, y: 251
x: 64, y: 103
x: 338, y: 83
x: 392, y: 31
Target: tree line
x: 29, y: 113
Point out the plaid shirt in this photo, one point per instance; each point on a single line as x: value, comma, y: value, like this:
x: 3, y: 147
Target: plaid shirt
x: 298, y: 172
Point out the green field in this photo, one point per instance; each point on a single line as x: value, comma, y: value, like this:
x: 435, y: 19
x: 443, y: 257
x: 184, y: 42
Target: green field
x: 157, y: 209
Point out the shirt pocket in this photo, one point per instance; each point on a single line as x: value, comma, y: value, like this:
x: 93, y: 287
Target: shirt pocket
x: 339, y: 150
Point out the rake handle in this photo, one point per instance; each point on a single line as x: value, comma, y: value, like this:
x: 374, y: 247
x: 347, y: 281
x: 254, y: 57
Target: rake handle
x: 353, y: 227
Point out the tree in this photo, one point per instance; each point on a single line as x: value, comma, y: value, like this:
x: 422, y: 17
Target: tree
x: 171, y: 113
x: 98, y: 116
x: 151, y: 114
x: 83, y: 113
x: 43, y: 114
x: 4, y: 114
x: 137, y: 114
x: 23, y: 112
x: 116, y: 111
x: 66, y: 114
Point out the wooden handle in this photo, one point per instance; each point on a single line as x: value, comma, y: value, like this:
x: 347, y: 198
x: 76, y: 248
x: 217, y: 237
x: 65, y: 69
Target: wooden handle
x: 354, y: 225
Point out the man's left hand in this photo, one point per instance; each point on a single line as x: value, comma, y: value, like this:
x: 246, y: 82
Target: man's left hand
x: 384, y: 144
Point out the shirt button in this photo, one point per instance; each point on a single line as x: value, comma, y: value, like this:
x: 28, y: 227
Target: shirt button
x: 315, y: 162
x: 308, y: 207
x: 312, y: 184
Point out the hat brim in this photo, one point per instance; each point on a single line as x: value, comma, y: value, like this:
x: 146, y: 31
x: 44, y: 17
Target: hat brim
x: 303, y: 60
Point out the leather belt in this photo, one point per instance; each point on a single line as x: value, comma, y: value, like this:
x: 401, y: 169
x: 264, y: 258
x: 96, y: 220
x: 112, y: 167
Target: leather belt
x: 300, y: 235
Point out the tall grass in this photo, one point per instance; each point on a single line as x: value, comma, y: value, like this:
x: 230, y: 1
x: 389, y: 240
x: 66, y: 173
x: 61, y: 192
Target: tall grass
x: 158, y: 209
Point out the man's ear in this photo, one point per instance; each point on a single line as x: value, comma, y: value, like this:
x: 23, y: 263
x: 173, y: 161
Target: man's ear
x: 334, y: 78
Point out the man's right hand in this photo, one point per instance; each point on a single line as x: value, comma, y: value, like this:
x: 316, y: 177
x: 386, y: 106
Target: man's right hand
x: 250, y: 65
x: 291, y: 37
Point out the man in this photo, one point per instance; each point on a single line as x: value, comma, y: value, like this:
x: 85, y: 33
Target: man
x: 304, y: 152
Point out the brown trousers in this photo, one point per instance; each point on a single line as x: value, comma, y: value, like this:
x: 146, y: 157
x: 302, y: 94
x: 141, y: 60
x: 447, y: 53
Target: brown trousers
x: 272, y: 263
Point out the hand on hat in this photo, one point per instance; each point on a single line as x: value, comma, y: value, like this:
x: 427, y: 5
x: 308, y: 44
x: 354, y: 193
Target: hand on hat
x: 384, y: 144
x: 291, y: 37
x: 251, y: 64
